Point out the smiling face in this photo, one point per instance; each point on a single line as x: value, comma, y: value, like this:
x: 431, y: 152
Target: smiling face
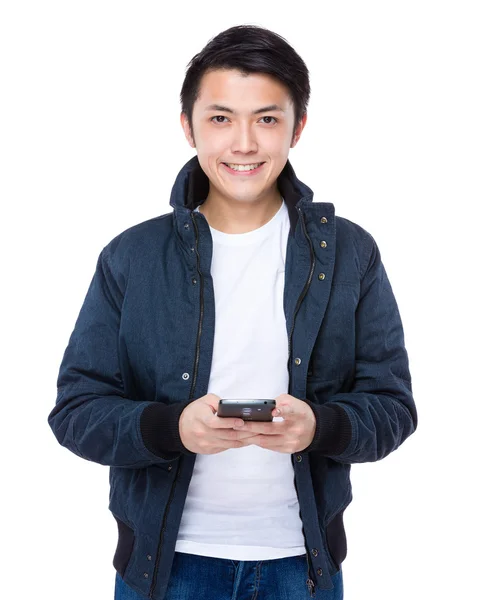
x: 242, y: 120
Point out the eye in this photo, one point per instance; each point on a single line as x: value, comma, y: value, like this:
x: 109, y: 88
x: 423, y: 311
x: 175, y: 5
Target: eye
x: 223, y: 117
x: 270, y: 118
x: 217, y: 117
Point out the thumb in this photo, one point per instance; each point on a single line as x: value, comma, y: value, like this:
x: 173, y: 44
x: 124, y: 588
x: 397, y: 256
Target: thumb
x: 212, y: 400
x: 281, y: 410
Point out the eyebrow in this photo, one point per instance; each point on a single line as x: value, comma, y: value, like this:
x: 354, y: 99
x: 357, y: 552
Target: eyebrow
x: 268, y: 108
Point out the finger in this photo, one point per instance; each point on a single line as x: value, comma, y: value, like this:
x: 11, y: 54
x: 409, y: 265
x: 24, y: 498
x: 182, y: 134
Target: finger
x: 275, y: 442
x: 233, y: 435
x: 273, y: 428
x: 216, y: 422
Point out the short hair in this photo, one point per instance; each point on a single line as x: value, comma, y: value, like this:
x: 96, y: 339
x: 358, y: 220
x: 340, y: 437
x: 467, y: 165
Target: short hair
x: 249, y: 49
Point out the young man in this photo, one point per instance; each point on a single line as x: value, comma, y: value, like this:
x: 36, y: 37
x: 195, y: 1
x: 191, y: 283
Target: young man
x: 248, y: 289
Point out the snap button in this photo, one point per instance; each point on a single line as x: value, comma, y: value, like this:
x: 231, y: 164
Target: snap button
x: 145, y: 575
x: 194, y: 280
x: 321, y: 276
x: 185, y: 376
x: 298, y: 458
x: 315, y: 552
x: 192, y: 248
x: 323, y: 244
x: 169, y: 468
x: 186, y: 225
x: 319, y: 571
x: 297, y: 361
x: 149, y: 557
x: 323, y: 220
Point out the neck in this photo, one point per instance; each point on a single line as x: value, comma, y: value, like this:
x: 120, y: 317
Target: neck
x: 230, y: 216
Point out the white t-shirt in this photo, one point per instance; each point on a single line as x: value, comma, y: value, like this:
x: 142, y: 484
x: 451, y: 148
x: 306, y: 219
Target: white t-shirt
x: 242, y: 503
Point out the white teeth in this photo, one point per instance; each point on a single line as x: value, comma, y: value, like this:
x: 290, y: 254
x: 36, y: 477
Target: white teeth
x: 236, y: 167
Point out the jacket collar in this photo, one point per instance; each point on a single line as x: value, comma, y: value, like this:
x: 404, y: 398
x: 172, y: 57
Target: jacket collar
x: 191, y: 188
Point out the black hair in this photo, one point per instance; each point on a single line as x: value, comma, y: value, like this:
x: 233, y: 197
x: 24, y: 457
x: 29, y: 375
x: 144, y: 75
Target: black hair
x: 249, y: 49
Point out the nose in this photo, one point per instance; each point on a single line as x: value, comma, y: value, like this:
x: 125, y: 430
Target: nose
x: 244, y: 140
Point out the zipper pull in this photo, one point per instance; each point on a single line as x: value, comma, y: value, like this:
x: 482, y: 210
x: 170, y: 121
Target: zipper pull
x: 311, y: 586
x: 310, y: 583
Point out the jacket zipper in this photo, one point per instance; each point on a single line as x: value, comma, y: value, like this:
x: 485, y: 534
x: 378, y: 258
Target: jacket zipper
x: 196, y: 364
x: 301, y: 297
x: 162, y: 531
x: 311, y: 586
x: 201, y: 309
x: 309, y: 582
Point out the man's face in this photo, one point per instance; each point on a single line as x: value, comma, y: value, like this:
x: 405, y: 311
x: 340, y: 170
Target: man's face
x: 241, y: 137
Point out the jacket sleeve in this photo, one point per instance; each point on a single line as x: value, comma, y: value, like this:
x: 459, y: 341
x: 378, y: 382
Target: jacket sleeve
x: 378, y: 413
x: 92, y: 415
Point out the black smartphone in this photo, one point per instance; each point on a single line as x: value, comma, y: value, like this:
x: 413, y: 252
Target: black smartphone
x: 248, y: 410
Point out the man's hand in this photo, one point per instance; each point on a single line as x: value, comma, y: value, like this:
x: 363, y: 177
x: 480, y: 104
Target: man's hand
x: 293, y: 434
x: 203, y: 432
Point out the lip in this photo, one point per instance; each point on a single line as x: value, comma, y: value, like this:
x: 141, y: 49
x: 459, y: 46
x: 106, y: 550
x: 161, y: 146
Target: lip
x: 243, y: 173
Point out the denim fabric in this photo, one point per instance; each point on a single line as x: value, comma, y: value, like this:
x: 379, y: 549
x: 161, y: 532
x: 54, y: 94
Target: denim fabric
x: 203, y: 578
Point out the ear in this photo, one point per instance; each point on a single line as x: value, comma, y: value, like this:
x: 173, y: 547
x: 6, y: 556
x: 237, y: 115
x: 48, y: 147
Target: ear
x: 187, y: 129
x: 299, y: 130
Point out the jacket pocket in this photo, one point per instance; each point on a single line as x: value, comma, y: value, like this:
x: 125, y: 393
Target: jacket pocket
x: 336, y: 540
x: 124, y: 548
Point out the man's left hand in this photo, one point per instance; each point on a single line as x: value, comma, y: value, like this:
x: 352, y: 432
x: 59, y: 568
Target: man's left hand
x: 293, y: 434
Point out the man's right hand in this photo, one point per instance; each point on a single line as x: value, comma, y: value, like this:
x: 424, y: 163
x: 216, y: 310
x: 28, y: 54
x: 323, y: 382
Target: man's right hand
x: 203, y: 432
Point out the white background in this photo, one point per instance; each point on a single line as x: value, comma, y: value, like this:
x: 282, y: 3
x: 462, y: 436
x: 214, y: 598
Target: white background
x: 90, y: 144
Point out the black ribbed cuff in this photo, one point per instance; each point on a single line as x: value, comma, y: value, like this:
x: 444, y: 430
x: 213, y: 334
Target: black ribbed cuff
x: 159, y: 426
x: 333, y: 429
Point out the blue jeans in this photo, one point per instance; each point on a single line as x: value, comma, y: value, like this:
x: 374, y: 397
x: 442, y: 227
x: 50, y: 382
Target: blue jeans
x: 196, y: 577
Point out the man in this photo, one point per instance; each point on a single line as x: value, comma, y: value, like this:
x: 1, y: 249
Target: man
x: 248, y: 289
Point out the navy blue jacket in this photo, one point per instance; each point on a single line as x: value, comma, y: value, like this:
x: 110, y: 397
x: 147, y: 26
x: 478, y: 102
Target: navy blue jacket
x: 141, y: 351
